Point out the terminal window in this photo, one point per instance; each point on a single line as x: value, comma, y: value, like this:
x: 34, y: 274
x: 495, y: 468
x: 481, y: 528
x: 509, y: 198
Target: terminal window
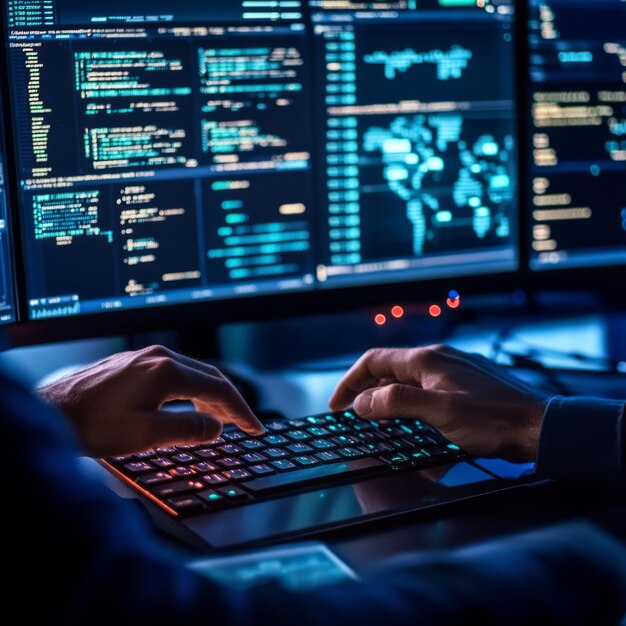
x: 578, y: 138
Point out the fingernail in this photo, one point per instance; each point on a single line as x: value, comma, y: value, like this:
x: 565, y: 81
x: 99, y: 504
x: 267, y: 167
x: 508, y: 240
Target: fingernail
x: 363, y: 404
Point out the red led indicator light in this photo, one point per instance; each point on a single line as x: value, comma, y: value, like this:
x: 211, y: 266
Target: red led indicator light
x: 435, y: 310
x: 397, y: 312
x: 380, y: 319
x: 454, y: 303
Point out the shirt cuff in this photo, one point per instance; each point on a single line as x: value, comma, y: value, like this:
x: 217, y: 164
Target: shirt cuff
x: 582, y: 439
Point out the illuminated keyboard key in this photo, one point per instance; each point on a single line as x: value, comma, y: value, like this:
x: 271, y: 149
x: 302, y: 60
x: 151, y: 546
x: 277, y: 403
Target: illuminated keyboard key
x: 139, y: 467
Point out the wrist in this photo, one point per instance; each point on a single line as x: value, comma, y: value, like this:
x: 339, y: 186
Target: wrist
x: 532, y: 435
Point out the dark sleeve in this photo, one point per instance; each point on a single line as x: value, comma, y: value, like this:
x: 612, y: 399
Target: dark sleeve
x: 583, y: 439
x: 83, y: 556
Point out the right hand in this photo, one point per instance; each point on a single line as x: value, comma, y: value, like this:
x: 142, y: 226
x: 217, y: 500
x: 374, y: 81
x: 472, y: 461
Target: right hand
x: 115, y: 406
x: 472, y: 401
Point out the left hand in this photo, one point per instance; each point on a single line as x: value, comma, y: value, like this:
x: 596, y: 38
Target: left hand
x: 115, y: 406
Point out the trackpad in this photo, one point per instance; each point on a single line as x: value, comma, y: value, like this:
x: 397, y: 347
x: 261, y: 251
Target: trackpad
x: 336, y: 506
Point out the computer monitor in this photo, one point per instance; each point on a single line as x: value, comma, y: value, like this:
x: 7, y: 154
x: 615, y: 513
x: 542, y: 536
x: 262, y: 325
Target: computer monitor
x: 7, y: 277
x: 171, y: 152
x: 577, y: 139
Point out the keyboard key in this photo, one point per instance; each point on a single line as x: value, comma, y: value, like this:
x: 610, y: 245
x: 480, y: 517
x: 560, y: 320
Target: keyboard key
x: 350, y: 453
x: 289, y: 480
x: 282, y: 465
x: 229, y: 462
x: 393, y: 431
x: 204, y: 468
x: 371, y: 436
x: 261, y: 470
x: 234, y: 494
x: 398, y: 444
x: 234, y: 436
x: 298, y: 423
x: 189, y: 446
x: 207, y: 453
x: 211, y: 497
x: 377, y: 448
x: 299, y: 448
x: 298, y: 435
x: 322, y: 444
x: 220, y: 441
x: 276, y: 426
x: 230, y: 449
x: 237, y: 474
x: 305, y: 461
x: 185, y: 504
x: 181, y: 472
x: 315, y: 421
x: 362, y: 425
x: 170, y: 450
x: 327, y: 456
x: 156, y: 478
x: 162, y: 462
x: 252, y: 444
x: 275, y: 440
x: 148, y: 454
x: 139, y: 467
x: 420, y: 427
x: 253, y: 457
x: 177, y: 487
x: 337, y: 429
x: 318, y: 431
x: 396, y: 459
x: 184, y: 457
x: 420, y: 457
x: 122, y: 459
x: 214, y: 479
x: 275, y: 453
x: 346, y: 440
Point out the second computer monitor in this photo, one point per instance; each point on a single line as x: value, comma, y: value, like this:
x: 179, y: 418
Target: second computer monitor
x: 578, y: 133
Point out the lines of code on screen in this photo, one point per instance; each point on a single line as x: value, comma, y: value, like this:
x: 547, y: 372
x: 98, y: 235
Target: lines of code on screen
x: 578, y: 141
x: 175, y: 151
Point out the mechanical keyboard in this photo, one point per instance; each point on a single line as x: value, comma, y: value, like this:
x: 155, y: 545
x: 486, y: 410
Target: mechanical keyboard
x: 293, y: 455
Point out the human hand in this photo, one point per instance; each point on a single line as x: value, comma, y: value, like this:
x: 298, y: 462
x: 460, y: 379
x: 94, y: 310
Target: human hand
x: 115, y: 406
x: 472, y: 401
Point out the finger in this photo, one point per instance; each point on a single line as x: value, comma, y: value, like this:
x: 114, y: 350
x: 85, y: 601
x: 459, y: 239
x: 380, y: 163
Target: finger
x: 401, y: 365
x: 172, y: 428
x: 179, y: 382
x: 400, y: 401
x: 163, y: 352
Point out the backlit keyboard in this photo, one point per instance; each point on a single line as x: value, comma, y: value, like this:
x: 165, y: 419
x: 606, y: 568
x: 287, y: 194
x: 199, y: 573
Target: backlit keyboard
x: 293, y: 455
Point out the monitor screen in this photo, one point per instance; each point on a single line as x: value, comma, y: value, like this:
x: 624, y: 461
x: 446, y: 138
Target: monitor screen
x: 7, y: 295
x: 578, y: 133
x: 171, y: 151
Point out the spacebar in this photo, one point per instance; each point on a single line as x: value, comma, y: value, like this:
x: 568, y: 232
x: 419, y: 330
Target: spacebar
x: 289, y: 480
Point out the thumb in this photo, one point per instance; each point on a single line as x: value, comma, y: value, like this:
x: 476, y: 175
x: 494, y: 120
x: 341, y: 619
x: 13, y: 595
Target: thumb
x: 398, y: 401
x: 170, y: 428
